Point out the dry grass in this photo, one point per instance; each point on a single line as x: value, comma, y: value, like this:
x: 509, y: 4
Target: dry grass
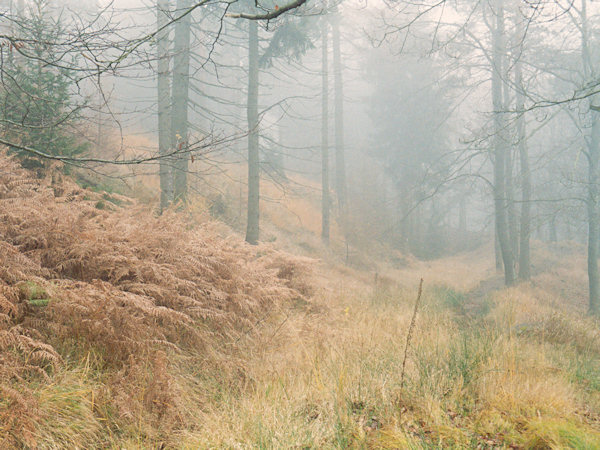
x: 333, y: 379
x: 86, y: 282
x: 120, y: 329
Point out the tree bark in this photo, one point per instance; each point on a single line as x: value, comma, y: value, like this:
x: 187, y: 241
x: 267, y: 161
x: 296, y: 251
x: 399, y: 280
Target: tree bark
x: 340, y: 163
x: 593, y: 156
x: 525, y: 230
x: 179, y: 112
x: 500, y: 147
x: 497, y: 251
x: 511, y: 211
x: 252, y: 228
x: 553, y: 229
x: 513, y: 223
x: 164, y: 100
x: 594, y: 216
x: 324, y: 134
x: 462, y: 219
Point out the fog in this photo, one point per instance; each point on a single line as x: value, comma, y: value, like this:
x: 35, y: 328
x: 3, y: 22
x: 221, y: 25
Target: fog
x: 448, y: 125
x: 299, y: 224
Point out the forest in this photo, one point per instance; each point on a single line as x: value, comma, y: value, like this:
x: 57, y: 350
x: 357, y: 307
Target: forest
x: 298, y: 224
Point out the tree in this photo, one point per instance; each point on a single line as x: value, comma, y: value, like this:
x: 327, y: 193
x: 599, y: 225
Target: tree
x: 252, y: 229
x: 290, y: 40
x: 164, y: 103
x: 593, y: 159
x: 409, y: 139
x: 325, y: 200
x: 525, y: 174
x: 500, y: 144
x: 93, y: 47
x: 340, y: 162
x: 38, y: 106
x: 180, y: 100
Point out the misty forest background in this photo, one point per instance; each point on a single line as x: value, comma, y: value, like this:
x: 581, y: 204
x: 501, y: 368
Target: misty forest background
x: 458, y: 141
x: 426, y: 128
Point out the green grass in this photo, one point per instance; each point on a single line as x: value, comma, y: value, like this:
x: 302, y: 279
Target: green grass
x: 35, y: 294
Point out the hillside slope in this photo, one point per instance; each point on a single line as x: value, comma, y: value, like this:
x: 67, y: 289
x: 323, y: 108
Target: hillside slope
x: 107, y: 313
x: 487, y: 367
x: 121, y: 329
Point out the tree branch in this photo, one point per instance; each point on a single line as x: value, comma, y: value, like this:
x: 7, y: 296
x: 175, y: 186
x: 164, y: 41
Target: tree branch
x: 270, y: 15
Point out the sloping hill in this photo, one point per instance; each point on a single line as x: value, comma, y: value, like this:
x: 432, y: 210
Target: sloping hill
x: 122, y: 329
x: 106, y: 310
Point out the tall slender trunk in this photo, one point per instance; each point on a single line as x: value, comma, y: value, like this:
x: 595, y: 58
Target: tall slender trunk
x: 18, y: 58
x: 99, y: 127
x: 179, y: 111
x: 500, y: 147
x: 525, y: 230
x: 593, y: 156
x: 462, y: 219
x: 252, y: 228
x: 324, y: 134
x: 164, y: 100
x: 497, y: 251
x: 553, y: 229
x: 511, y: 211
x: 594, y: 216
x: 340, y: 163
x: 513, y: 222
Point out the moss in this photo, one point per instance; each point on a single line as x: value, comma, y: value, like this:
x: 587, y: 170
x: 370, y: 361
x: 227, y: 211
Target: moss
x: 39, y: 302
x: 560, y: 433
x: 32, y: 290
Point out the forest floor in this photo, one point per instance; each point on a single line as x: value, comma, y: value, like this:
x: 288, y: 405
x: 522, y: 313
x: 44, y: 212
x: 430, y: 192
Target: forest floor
x: 119, y: 329
x: 487, y: 367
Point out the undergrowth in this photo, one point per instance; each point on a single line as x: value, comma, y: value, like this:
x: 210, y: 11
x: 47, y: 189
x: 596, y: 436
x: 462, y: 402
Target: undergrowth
x: 103, y: 310
x: 119, y: 329
x: 474, y: 383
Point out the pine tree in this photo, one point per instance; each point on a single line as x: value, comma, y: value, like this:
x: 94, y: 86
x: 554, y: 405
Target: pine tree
x: 38, y: 110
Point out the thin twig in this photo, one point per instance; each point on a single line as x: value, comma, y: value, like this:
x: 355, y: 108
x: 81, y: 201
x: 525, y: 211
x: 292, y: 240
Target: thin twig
x: 410, y: 332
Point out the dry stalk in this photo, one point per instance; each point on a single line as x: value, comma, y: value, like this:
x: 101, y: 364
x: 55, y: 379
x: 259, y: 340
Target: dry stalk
x: 410, y: 333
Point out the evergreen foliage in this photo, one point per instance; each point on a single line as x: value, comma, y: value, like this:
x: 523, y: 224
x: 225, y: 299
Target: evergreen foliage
x: 38, y: 107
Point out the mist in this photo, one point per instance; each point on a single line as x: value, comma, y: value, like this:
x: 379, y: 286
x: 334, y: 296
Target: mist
x: 312, y: 224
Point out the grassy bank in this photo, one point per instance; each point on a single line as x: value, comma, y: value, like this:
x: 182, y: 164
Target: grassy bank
x: 518, y: 371
x: 120, y: 329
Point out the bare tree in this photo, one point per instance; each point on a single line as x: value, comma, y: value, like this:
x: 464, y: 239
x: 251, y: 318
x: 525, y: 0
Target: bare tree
x: 252, y: 229
x: 500, y: 144
x: 593, y: 159
x: 340, y: 163
x: 164, y: 103
x: 325, y: 200
x: 525, y: 173
x: 180, y: 100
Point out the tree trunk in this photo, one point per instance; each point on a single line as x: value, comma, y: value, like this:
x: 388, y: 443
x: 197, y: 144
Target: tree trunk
x: 594, y: 216
x: 593, y: 156
x: 513, y: 223
x: 497, y: 251
x: 525, y: 230
x: 252, y: 228
x: 462, y: 219
x: 324, y: 135
x: 500, y: 148
x: 164, y: 100
x: 340, y: 163
x: 553, y: 230
x: 179, y: 112
x: 18, y: 58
